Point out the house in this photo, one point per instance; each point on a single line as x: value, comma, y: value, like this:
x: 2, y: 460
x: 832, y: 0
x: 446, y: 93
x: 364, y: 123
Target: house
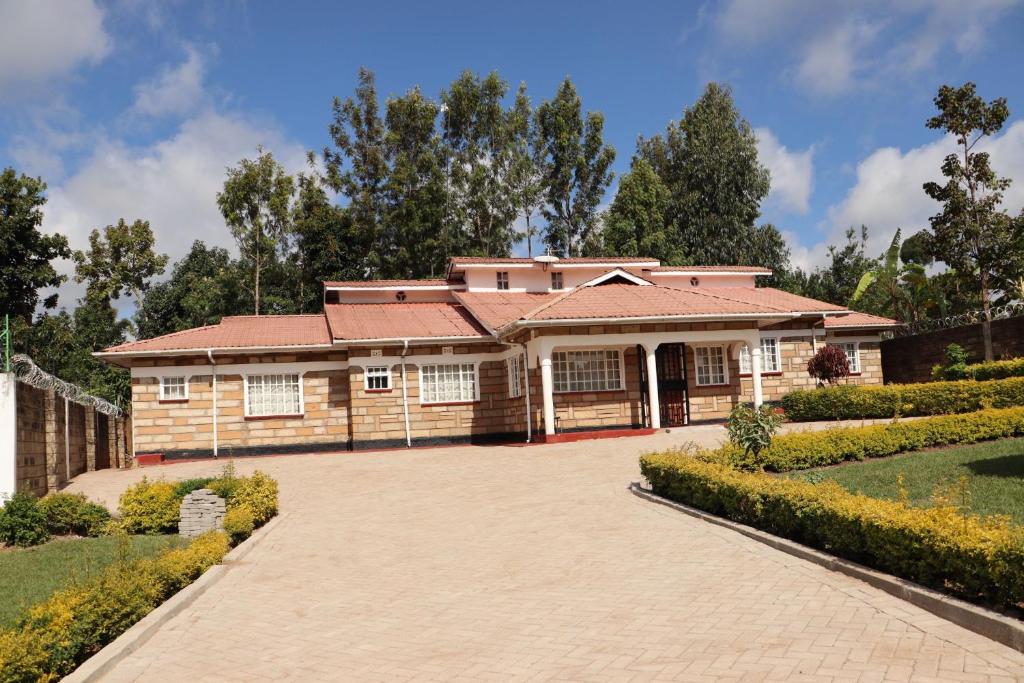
x: 501, y: 349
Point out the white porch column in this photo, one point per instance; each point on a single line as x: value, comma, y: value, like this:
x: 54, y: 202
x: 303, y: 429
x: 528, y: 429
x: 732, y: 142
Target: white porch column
x: 547, y: 389
x: 652, y: 385
x: 755, y: 374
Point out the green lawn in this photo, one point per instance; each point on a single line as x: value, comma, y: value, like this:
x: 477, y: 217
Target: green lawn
x: 995, y: 471
x: 30, y: 575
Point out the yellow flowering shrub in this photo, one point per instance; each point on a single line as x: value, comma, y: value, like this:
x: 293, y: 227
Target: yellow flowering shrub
x: 239, y: 523
x: 978, y: 558
x: 150, y: 507
x: 258, y: 493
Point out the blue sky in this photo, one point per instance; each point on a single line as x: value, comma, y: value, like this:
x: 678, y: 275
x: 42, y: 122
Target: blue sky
x: 129, y: 108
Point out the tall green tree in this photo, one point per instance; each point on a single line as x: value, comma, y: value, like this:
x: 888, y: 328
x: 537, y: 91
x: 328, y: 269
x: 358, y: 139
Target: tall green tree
x: 414, y: 237
x: 578, y: 169
x: 708, y: 161
x: 357, y: 167
x: 204, y: 286
x: 121, y: 260
x: 635, y: 223
x: 474, y: 128
x: 256, y: 204
x: 836, y: 282
x: 26, y: 254
x: 972, y: 232
x: 526, y: 165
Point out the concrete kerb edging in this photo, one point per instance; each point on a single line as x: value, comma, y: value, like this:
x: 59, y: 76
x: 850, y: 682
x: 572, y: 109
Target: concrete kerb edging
x: 985, y: 622
x: 103, y: 662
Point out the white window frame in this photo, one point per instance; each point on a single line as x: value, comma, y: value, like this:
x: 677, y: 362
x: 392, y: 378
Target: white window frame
x: 852, y: 350
x: 377, y: 372
x: 514, y: 365
x: 697, y: 365
x: 501, y: 280
x: 557, y: 280
x: 163, y: 388
x: 302, y: 399
x: 775, y: 356
x: 473, y: 368
x: 563, y: 380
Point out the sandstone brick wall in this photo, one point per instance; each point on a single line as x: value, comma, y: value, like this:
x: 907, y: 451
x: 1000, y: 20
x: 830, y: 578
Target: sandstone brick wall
x: 31, y: 439
x: 910, y: 359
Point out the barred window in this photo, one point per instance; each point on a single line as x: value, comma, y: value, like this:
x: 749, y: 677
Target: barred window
x: 450, y: 383
x: 852, y: 355
x: 173, y: 388
x: 515, y: 377
x: 273, y: 395
x: 591, y: 370
x: 502, y: 279
x: 377, y: 378
x: 771, y: 360
x: 710, y: 362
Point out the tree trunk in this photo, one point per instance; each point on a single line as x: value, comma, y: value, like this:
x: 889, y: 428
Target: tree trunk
x: 256, y: 294
x: 986, y: 324
x: 529, y: 238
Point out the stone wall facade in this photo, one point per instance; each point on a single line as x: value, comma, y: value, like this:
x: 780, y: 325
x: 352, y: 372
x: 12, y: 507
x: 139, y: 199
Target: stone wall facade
x: 910, y: 359
x: 341, y: 411
x: 201, y: 510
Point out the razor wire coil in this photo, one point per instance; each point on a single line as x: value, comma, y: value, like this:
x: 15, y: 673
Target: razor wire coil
x: 28, y: 372
x: 1009, y: 310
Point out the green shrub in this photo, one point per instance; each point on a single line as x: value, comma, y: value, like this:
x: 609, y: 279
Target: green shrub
x: 851, y: 402
x: 996, y: 369
x: 801, y: 450
x: 58, y: 634
x: 73, y: 513
x: 751, y: 431
x: 22, y: 521
x: 150, y: 507
x: 226, y: 484
x: 977, y: 558
x: 259, y: 494
x: 239, y: 524
x: 187, y: 486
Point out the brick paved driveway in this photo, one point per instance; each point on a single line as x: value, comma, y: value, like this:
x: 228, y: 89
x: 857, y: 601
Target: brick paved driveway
x: 533, y: 563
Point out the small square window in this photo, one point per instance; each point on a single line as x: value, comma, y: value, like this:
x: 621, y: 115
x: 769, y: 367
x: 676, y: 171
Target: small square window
x: 377, y: 378
x: 556, y: 281
x: 852, y: 355
x: 771, y: 359
x: 710, y: 362
x: 515, y: 378
x: 173, y: 389
x: 502, y: 279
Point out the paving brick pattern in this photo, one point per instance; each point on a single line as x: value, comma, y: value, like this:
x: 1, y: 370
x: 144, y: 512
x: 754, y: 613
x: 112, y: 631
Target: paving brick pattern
x: 536, y: 563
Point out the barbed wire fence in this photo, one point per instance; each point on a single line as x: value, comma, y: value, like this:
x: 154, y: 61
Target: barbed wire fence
x: 1010, y: 310
x: 25, y: 369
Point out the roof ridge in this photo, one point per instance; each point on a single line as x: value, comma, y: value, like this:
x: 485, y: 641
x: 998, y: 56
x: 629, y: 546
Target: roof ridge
x: 166, y: 335
x: 269, y: 315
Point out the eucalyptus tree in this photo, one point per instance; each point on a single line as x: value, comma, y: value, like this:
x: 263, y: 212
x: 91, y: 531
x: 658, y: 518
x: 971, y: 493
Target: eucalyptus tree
x: 577, y: 169
x: 526, y: 164
x: 121, y: 260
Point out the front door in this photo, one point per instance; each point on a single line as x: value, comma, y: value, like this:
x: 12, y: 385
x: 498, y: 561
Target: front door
x: 675, y: 404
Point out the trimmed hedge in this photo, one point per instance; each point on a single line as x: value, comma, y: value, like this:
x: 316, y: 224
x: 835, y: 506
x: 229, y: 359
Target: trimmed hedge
x: 853, y: 402
x: 996, y: 369
x: 800, y: 450
x: 978, y: 558
x: 57, y: 635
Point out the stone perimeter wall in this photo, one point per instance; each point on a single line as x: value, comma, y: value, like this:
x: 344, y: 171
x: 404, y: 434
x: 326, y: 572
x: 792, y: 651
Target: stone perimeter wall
x: 41, y: 460
x: 185, y: 428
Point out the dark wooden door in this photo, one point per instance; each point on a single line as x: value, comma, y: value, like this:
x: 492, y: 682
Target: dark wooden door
x: 102, y: 443
x: 672, y: 398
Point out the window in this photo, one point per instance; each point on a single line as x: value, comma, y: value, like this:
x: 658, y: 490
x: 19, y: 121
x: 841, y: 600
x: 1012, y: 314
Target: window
x: 273, y: 395
x: 450, y: 383
x: 173, y: 389
x: 592, y: 370
x: 556, y: 281
x: 502, y: 279
x: 771, y: 360
x: 710, y: 361
x: 377, y: 378
x: 851, y: 355
x: 515, y: 377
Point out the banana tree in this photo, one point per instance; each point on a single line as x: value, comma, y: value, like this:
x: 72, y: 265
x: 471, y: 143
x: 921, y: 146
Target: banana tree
x: 886, y: 276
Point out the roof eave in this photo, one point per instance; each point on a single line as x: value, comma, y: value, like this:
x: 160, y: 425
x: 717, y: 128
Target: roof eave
x: 412, y: 340
x: 103, y: 355
x: 700, y: 317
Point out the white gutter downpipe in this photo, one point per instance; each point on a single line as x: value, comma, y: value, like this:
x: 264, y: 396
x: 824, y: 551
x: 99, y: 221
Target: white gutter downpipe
x: 526, y: 388
x: 814, y: 337
x: 405, y: 396
x: 67, y: 441
x: 213, y: 363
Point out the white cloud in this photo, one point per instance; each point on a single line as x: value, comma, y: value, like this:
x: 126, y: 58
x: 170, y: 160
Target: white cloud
x: 836, y: 48
x: 792, y: 172
x: 172, y: 183
x: 175, y: 91
x: 43, y: 40
x: 887, y: 193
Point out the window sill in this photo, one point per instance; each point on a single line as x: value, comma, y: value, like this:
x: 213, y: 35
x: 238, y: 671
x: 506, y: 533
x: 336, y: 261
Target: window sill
x: 275, y: 417
x: 589, y: 391
x: 173, y: 400
x: 747, y: 375
x: 377, y: 391
x: 450, y: 403
x: 712, y: 386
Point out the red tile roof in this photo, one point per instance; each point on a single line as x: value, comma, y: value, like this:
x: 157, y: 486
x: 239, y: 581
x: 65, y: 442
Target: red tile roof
x: 390, y: 283
x: 497, y: 309
x: 774, y: 298
x: 709, y: 269
x: 857, y: 319
x: 242, y: 331
x: 401, y: 320
x: 456, y: 260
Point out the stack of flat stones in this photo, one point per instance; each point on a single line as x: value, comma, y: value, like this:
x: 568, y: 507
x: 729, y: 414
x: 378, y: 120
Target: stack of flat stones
x: 201, y: 511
